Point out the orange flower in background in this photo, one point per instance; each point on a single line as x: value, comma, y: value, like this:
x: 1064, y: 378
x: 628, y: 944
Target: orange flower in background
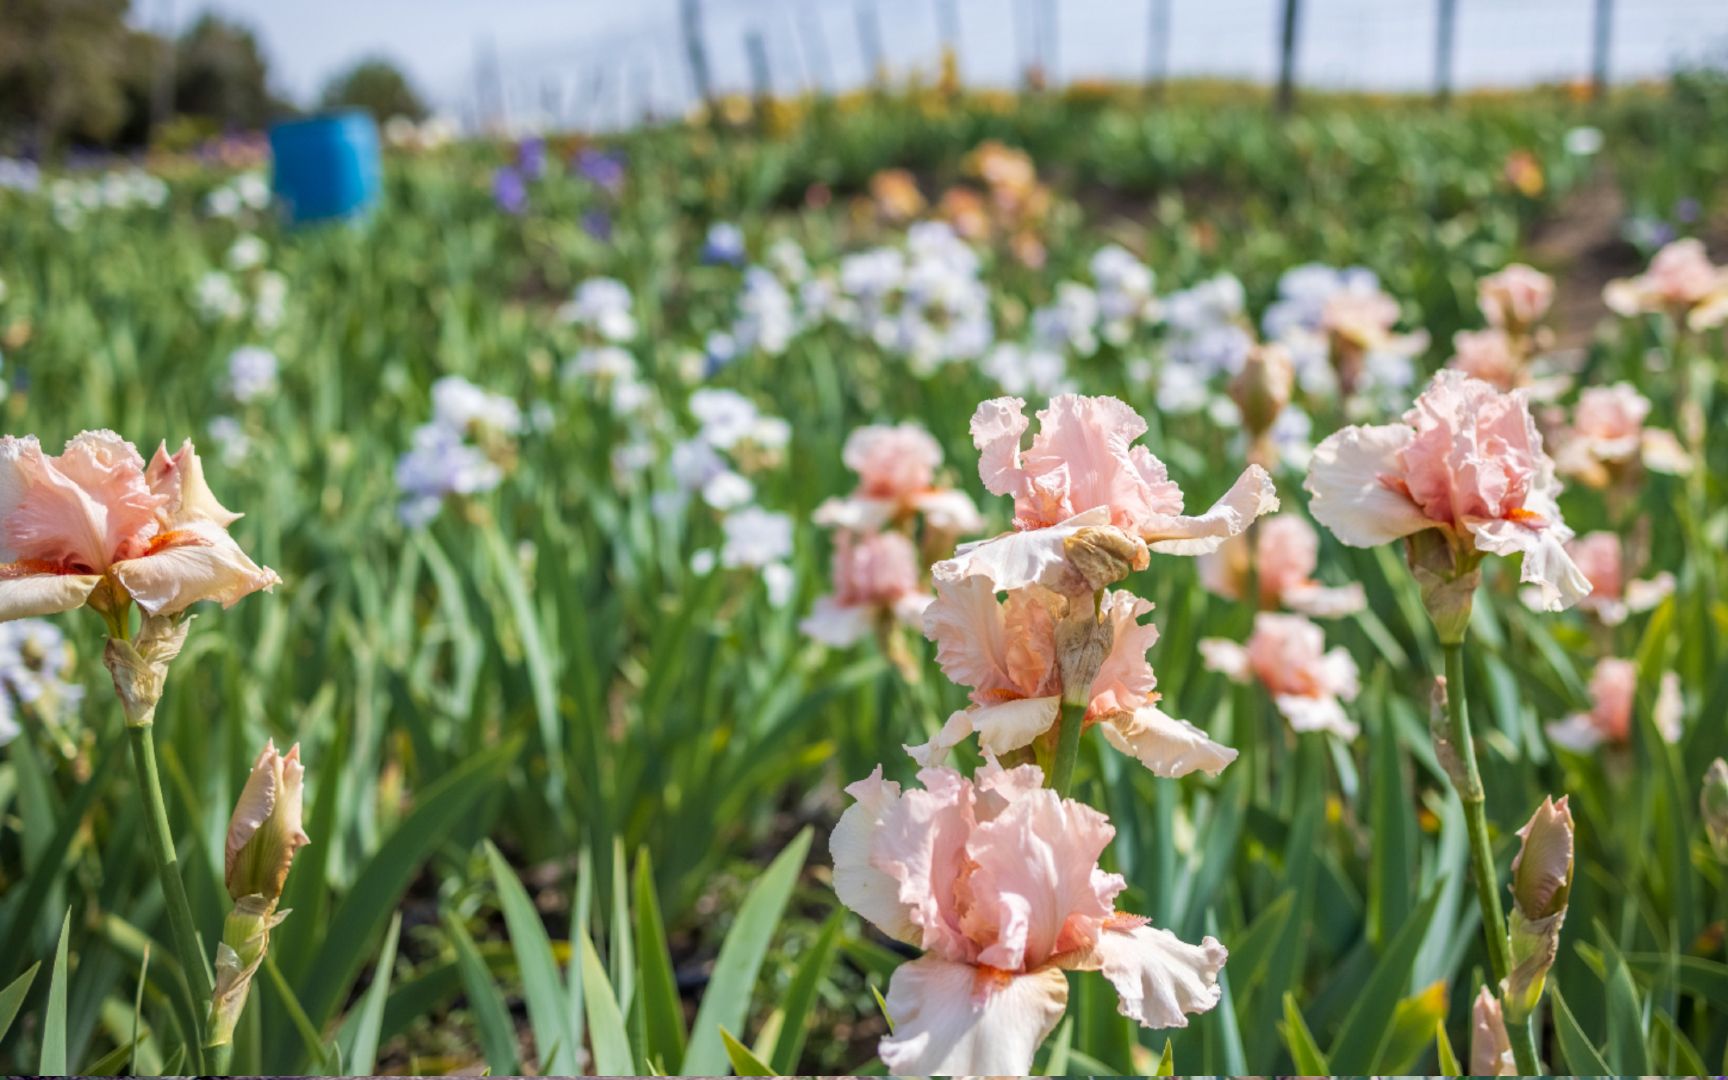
x: 896, y: 196
x: 1524, y: 173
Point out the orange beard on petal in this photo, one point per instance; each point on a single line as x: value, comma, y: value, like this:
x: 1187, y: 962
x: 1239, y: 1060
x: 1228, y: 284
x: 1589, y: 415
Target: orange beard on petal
x: 35, y: 568
x: 986, y: 980
x: 175, y: 538
x: 1527, y: 517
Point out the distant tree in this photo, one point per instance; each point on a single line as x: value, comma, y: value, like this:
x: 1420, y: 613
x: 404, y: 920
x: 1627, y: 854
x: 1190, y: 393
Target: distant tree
x: 377, y: 85
x: 60, y: 65
x: 220, y: 75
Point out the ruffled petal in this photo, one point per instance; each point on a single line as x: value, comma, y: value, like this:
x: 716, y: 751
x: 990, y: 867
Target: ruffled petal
x: 1035, y: 556
x: 953, y: 733
x: 1347, y: 482
x: 1325, y: 601
x: 179, y: 479
x: 81, y: 510
x: 1161, y: 978
x: 1035, y: 889
x: 1013, y: 724
x: 997, y: 426
x: 1125, y: 679
x: 1546, y: 562
x: 1316, y: 714
x: 1166, y: 745
x: 966, y: 623
x: 1661, y: 452
x: 837, y: 625
x: 1644, y: 594
x: 1577, y: 733
x: 197, y: 562
x: 26, y: 594
x: 1252, y: 495
x: 854, y: 513
x: 949, y: 511
x: 860, y: 885
x: 958, y: 1020
x: 1226, y: 657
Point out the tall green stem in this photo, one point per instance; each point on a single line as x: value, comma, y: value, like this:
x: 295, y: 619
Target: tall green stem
x: 161, y: 843
x: 1067, y: 748
x: 1470, y: 793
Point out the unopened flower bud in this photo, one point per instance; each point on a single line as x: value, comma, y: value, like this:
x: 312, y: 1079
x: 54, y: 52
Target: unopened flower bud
x: 1102, y: 555
x: 139, y: 666
x: 1542, y: 869
x: 1448, y: 577
x: 1490, y: 1046
x: 1713, y: 807
x: 265, y: 831
x: 1541, y: 885
x: 1263, y: 387
x: 1083, y: 641
x: 263, y: 836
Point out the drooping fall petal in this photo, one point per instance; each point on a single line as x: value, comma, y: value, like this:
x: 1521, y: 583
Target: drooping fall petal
x: 1160, y: 978
x: 953, y: 1019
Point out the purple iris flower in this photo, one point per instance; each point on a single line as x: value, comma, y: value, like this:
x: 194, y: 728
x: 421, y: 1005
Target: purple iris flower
x: 510, y: 190
x: 603, y: 169
x: 531, y: 157
x: 598, y: 224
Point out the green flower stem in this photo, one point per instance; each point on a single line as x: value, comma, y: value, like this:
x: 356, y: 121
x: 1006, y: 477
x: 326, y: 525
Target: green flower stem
x: 1470, y: 793
x: 1067, y: 747
x: 186, y: 947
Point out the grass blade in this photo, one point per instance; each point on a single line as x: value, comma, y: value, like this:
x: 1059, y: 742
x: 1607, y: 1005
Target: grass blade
x: 363, y: 1051
x: 497, y: 1035
x: 54, y: 1016
x: 12, y: 998
x: 542, y: 991
x: 379, y: 887
x: 726, y: 1003
x: 606, y: 1032
x: 1582, y: 1058
x: 1303, y: 1049
x: 801, y: 996
x: 663, y: 1012
x: 744, y: 1063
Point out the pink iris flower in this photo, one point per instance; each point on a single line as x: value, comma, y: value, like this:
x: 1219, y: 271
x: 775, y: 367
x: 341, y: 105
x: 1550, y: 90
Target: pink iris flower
x: 875, y: 577
x: 1515, y: 298
x: 1681, y: 282
x: 997, y: 880
x: 1607, y: 435
x: 1285, y: 553
x: 97, y: 514
x: 1287, y: 654
x: 1613, y: 692
x: 1006, y: 651
x: 1082, y: 473
x: 1467, y: 459
x: 896, y: 467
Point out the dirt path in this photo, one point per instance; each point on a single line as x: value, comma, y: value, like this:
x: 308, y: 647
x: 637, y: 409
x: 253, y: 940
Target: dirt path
x: 1581, y: 245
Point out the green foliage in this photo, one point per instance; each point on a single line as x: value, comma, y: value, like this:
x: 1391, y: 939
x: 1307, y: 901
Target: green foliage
x: 495, y: 708
x: 378, y: 86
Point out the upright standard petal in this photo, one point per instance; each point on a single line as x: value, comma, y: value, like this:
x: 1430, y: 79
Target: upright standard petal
x: 1035, y: 889
x: 859, y: 883
x: 959, y: 1020
x: 1349, y: 480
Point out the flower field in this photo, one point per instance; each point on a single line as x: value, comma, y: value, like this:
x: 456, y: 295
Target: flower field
x: 926, y: 582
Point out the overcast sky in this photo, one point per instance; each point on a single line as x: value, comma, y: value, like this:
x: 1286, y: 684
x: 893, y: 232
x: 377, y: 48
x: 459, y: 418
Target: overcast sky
x: 597, y: 50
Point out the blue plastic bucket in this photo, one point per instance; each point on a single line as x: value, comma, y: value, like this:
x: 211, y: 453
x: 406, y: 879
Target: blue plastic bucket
x: 326, y: 166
